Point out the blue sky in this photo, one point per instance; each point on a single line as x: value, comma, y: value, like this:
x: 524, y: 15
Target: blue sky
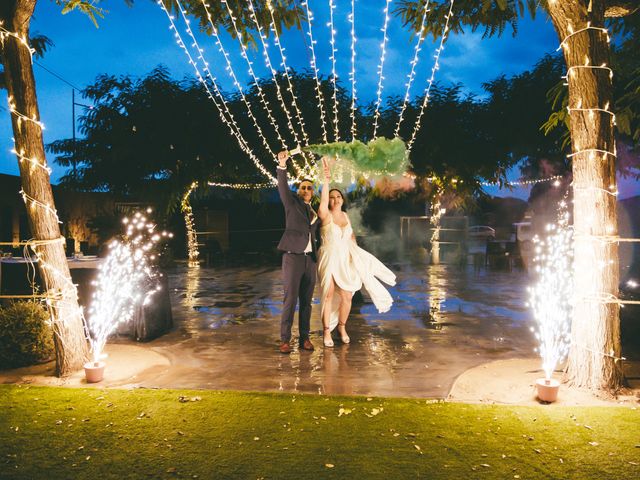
x: 135, y: 40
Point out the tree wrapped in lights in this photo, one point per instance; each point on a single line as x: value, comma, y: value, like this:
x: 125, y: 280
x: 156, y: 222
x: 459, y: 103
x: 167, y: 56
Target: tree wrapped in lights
x: 127, y: 280
x: 551, y: 296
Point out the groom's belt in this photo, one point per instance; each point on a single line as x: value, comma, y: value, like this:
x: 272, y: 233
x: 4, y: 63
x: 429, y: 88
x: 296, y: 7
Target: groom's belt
x: 303, y: 253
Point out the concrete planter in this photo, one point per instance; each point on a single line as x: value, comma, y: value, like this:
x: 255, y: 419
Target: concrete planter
x: 547, y: 389
x: 94, y: 371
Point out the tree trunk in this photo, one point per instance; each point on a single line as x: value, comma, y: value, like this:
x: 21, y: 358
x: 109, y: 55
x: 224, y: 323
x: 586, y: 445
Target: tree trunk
x: 593, y: 358
x: 69, y: 334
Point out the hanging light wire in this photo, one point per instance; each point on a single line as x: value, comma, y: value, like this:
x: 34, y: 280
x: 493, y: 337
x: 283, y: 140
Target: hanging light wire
x: 222, y: 107
x: 352, y: 20
x: 414, y: 63
x: 314, y: 67
x: 334, y: 75
x: 245, y: 55
x: 233, y: 76
x: 269, y: 65
x: 383, y: 54
x: 294, y: 103
x: 436, y: 66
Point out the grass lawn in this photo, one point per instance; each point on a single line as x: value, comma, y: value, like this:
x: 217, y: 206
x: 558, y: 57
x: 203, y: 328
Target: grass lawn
x: 66, y: 433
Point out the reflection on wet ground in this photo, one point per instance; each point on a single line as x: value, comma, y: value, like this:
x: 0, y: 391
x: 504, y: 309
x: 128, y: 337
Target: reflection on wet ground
x: 444, y: 321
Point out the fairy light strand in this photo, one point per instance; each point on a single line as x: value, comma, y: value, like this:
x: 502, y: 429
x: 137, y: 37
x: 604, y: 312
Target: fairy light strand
x: 314, y: 67
x: 4, y: 33
x: 245, y: 55
x: 241, y: 186
x: 564, y: 45
x: 383, y: 54
x: 436, y: 66
x: 523, y: 182
x: 20, y: 117
x: 223, y: 107
x: 229, y: 69
x: 334, y: 75
x: 294, y: 98
x: 352, y: 20
x: 33, y: 162
x: 269, y: 65
x: 414, y: 63
x: 189, y: 221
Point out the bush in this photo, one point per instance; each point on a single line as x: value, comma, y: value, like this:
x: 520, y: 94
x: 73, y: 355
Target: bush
x: 25, y: 336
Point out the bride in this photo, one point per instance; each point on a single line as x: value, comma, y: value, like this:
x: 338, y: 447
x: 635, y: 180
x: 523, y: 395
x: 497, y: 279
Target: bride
x: 343, y: 267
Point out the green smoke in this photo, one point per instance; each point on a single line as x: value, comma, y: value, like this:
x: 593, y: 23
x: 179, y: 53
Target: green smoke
x: 379, y: 156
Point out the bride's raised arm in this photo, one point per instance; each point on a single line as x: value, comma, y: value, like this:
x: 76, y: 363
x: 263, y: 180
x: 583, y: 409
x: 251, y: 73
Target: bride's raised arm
x: 323, y: 208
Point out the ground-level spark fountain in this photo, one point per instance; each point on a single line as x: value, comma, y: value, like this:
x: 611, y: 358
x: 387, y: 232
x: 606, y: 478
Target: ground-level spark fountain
x: 127, y: 280
x: 551, y: 299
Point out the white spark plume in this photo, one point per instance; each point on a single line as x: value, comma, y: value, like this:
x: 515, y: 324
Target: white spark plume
x: 551, y: 296
x: 126, y: 280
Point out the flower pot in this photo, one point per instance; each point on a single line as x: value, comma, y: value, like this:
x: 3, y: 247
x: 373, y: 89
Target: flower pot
x: 94, y: 371
x: 547, y: 389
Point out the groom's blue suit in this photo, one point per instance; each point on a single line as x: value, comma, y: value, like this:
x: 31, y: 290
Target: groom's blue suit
x: 298, y: 267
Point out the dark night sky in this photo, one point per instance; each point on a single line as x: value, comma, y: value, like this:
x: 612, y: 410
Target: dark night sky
x: 135, y: 40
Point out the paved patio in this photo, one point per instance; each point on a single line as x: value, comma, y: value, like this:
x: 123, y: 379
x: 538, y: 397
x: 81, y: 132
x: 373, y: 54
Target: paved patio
x: 452, y: 333
x: 445, y: 320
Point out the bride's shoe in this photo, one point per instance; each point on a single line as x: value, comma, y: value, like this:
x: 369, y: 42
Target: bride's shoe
x: 343, y: 334
x: 329, y: 342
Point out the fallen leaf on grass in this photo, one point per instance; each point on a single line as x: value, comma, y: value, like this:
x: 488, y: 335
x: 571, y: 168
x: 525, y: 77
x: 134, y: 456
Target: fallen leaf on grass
x: 344, y: 411
x: 485, y: 465
x: 634, y: 463
x: 594, y: 444
x: 256, y: 438
x: 417, y: 447
x: 537, y: 450
x: 329, y: 465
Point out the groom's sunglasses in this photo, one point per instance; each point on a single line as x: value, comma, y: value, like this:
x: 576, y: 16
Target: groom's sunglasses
x: 306, y: 187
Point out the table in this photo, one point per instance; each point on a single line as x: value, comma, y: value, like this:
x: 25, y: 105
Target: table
x: 148, y: 322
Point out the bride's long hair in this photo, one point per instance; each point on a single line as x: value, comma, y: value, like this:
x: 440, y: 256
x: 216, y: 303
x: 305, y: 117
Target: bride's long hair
x: 344, y: 200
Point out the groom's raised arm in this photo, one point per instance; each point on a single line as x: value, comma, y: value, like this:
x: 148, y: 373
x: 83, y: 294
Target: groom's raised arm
x: 281, y: 174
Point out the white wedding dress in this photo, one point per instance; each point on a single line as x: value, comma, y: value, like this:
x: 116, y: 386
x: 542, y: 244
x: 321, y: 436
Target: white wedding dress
x: 351, y: 268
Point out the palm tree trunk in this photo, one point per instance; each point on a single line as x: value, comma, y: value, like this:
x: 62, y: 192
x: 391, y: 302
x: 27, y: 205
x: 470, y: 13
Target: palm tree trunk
x: 593, y: 359
x: 69, y: 333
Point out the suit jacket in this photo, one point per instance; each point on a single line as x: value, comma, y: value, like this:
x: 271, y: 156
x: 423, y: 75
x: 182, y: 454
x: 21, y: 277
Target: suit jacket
x: 298, y: 222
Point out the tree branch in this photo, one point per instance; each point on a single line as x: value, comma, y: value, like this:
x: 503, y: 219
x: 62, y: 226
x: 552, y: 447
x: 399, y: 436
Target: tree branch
x: 621, y: 8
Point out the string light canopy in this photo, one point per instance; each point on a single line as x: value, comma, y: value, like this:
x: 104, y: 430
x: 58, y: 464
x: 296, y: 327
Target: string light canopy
x: 288, y: 102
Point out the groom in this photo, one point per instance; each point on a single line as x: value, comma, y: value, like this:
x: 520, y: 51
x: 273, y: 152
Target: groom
x: 298, y: 244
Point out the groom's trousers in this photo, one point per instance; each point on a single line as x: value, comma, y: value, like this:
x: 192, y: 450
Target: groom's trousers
x: 299, y: 278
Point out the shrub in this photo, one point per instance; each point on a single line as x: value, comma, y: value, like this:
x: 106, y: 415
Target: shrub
x: 25, y: 336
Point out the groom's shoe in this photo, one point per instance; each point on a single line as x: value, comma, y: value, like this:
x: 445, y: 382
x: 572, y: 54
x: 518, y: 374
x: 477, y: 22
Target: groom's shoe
x: 285, y: 347
x: 307, y: 345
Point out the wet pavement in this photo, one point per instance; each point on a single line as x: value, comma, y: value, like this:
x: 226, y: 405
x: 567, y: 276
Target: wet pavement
x: 445, y: 320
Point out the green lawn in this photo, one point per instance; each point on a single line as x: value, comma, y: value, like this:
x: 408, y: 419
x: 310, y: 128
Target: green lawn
x: 65, y: 433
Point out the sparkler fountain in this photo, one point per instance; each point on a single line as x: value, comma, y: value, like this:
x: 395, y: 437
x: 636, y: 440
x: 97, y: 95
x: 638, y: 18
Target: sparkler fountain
x: 550, y: 299
x: 127, y: 280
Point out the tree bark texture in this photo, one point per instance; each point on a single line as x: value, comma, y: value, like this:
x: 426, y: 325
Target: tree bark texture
x: 69, y: 333
x: 593, y: 358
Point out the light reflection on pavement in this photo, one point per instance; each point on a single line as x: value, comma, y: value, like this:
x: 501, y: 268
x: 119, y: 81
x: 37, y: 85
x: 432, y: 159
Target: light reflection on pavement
x: 444, y: 321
